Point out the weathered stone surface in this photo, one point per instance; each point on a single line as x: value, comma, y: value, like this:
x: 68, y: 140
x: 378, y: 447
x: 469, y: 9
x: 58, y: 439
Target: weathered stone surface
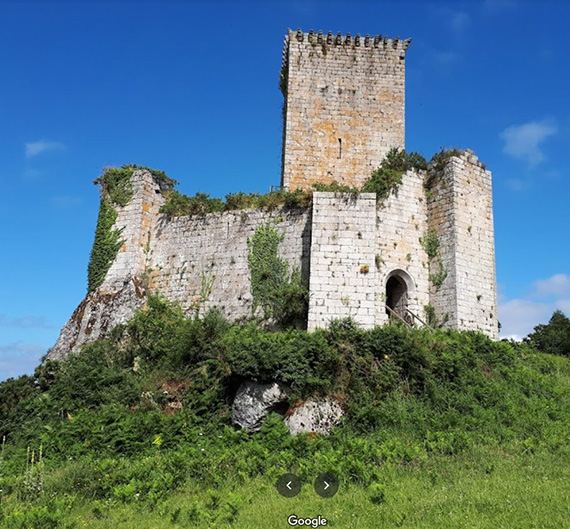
x: 254, y: 401
x: 96, y: 315
x: 344, y: 107
x: 315, y: 416
x: 342, y: 273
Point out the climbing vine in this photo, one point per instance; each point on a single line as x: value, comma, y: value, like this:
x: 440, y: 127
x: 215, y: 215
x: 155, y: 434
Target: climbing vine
x: 432, y: 320
x: 281, y: 297
x: 105, y: 246
x: 116, y: 190
x: 430, y: 243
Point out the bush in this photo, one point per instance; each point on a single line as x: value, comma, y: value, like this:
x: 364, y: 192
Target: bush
x: 201, y: 204
x: 554, y: 337
x: 388, y: 176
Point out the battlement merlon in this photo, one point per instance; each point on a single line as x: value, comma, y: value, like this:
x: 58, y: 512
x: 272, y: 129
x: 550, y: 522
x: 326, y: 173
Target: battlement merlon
x: 329, y: 40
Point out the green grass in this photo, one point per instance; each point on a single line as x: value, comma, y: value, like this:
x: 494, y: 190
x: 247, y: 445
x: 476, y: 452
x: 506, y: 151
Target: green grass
x: 442, y: 430
x: 487, y: 488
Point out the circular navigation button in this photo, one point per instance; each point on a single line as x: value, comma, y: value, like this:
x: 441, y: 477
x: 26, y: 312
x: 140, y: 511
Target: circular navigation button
x: 289, y: 485
x: 326, y: 485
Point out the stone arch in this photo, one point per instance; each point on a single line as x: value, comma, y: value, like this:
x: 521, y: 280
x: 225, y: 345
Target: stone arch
x: 398, y: 287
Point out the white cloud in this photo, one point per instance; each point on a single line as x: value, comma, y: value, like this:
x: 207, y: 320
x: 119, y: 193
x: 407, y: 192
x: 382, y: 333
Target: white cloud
x: 458, y: 21
x: 452, y: 19
x: 65, y: 202
x: 516, y: 184
x: 524, y: 141
x: 441, y: 59
x: 495, y: 6
x: 37, y: 147
x: 518, y: 317
x: 557, y: 285
x: 29, y: 321
x: 19, y: 358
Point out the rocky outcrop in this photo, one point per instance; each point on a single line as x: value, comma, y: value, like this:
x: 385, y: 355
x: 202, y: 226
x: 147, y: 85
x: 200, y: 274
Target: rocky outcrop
x: 96, y: 315
x: 315, y: 416
x: 254, y: 401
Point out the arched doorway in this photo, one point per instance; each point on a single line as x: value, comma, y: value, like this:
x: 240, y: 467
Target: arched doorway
x: 397, y: 295
x: 399, y: 285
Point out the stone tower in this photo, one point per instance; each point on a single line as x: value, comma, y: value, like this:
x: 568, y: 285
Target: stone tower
x: 344, y: 106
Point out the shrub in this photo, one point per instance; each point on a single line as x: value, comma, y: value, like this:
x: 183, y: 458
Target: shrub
x: 200, y: 204
x: 554, y: 337
x: 388, y: 176
x: 437, y: 165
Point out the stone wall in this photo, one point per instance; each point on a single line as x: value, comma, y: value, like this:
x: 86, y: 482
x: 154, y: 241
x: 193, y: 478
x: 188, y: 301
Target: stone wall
x: 202, y: 262
x: 344, y: 106
x: 461, y: 211
x: 342, y: 272
x: 199, y: 262
x: 401, y: 221
x: 124, y: 288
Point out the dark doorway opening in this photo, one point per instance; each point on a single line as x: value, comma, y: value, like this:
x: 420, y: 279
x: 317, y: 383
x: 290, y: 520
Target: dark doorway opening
x: 397, y: 296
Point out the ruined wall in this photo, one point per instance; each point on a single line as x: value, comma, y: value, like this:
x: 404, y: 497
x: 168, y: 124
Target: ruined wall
x: 342, y: 272
x: 344, y: 106
x: 198, y: 262
x: 460, y: 210
x: 123, y: 289
x: 202, y: 262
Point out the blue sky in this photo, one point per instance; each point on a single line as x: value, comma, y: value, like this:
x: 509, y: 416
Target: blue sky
x: 191, y: 88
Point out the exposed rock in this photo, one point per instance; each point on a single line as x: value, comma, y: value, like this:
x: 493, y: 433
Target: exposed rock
x: 318, y: 416
x: 96, y: 316
x: 254, y: 401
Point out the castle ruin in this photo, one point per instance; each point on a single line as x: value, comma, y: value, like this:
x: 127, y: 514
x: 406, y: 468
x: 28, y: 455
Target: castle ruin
x: 429, y: 247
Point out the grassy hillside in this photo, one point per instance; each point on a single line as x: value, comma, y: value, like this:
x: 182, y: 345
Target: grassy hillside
x: 442, y: 429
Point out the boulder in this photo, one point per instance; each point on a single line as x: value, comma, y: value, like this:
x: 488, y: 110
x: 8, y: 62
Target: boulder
x: 254, y: 401
x: 95, y: 317
x: 315, y: 416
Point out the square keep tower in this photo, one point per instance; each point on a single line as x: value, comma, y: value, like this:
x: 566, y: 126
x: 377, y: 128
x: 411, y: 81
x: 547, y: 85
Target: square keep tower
x: 344, y: 106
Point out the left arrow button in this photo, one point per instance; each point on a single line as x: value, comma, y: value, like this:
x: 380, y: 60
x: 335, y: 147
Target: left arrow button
x: 289, y: 485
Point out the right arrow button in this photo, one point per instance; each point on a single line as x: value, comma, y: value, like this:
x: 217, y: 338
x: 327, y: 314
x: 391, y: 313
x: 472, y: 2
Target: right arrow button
x: 326, y: 485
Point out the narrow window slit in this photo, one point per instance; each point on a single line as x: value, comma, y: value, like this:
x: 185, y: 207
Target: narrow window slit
x: 339, y: 148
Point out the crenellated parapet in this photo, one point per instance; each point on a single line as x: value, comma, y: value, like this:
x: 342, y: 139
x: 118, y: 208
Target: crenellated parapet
x: 375, y: 41
x: 331, y: 40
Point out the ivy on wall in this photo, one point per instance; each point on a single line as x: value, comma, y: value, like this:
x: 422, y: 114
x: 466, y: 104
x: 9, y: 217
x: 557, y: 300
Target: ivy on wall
x: 268, y: 270
x: 105, y: 246
x: 281, y: 297
x: 430, y: 243
x: 116, y: 190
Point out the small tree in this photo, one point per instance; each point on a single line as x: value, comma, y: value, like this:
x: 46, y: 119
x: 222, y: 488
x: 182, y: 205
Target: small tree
x: 554, y: 337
